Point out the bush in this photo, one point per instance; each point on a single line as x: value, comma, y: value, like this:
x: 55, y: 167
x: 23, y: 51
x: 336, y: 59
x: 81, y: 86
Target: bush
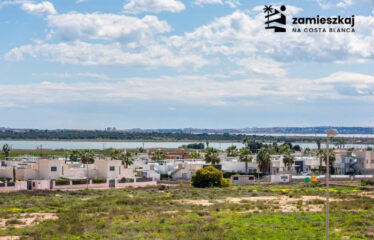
x: 79, y: 181
x: 209, y: 177
x: 367, y: 182
x: 62, y: 182
x: 225, y: 182
x: 98, y: 180
x: 164, y: 176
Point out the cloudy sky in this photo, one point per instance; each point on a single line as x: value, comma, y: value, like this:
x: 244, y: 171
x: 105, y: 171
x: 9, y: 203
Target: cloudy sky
x: 174, y: 63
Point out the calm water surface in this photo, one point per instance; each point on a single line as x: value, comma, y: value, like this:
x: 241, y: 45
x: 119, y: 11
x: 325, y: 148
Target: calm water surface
x: 130, y: 145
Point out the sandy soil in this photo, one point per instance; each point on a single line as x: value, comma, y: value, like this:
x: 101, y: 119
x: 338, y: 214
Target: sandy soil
x: 282, y: 203
x: 10, y: 238
x: 26, y: 219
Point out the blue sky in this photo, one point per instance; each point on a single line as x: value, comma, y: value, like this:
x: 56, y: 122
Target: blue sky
x: 173, y: 64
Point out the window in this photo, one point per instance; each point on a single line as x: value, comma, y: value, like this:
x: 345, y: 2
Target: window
x: 236, y: 178
x: 112, y: 168
x: 53, y: 169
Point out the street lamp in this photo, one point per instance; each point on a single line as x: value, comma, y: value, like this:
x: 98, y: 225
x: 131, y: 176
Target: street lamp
x: 330, y: 133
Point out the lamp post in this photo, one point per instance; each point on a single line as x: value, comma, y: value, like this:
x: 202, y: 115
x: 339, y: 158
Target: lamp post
x: 330, y: 133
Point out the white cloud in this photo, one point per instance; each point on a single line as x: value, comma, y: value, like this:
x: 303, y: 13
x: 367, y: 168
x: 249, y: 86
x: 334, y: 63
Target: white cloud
x: 345, y: 3
x: 262, y: 66
x: 14, y: 2
x: 230, y: 3
x: 110, y: 27
x: 192, y: 89
x: 43, y: 8
x: 240, y: 35
x: 290, y: 10
x: 106, y: 55
x: 154, y: 6
x: 66, y: 75
x: 329, y: 4
x: 203, y: 2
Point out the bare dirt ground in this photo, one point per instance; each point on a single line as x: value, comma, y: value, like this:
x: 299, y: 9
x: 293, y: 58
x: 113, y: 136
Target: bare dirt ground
x: 26, y: 219
x: 10, y: 238
x: 279, y: 203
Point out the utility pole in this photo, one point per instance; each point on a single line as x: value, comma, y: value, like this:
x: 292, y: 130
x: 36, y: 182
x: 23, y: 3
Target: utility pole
x: 329, y: 133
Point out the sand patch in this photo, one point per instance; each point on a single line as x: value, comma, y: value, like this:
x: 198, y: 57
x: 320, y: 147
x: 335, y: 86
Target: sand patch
x: 201, y: 202
x: 275, y: 203
x: 10, y: 238
x: 26, y: 219
x: 366, y: 194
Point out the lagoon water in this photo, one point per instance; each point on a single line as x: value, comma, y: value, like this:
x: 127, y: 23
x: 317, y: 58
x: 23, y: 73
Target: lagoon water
x: 31, y: 145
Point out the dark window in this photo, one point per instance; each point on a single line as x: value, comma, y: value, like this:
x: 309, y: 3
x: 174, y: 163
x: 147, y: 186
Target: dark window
x: 53, y: 169
x: 111, y: 168
x: 236, y: 178
x: 250, y: 178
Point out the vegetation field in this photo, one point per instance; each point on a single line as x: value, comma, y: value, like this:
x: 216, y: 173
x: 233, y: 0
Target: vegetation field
x: 182, y: 212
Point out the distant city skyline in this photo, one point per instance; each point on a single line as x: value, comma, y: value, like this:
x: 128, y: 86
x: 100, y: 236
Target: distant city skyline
x: 92, y: 64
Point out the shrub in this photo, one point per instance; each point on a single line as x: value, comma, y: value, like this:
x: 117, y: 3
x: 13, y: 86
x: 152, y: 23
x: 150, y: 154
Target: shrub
x: 62, y: 182
x: 209, y: 177
x: 98, y: 180
x: 225, y: 182
x: 164, y: 176
x: 367, y: 182
x: 79, y: 181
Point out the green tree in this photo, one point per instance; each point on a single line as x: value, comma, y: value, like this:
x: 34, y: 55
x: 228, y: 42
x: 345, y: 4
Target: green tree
x: 323, y: 157
x: 158, y: 156
x: 246, y: 141
x: 211, y: 156
x: 263, y: 160
x: 6, y: 151
x: 87, y: 157
x: 340, y: 143
x: 307, y: 151
x: 75, y: 156
x: 195, y: 154
x: 232, y: 151
x: 288, y: 160
x: 245, y: 156
x: 126, y: 157
x: 285, y: 149
x: 209, y: 177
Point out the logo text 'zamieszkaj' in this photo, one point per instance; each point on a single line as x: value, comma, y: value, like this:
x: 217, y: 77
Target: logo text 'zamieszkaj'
x: 276, y: 20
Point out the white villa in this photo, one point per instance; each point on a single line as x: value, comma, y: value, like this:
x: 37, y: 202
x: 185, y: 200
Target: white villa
x: 44, y: 173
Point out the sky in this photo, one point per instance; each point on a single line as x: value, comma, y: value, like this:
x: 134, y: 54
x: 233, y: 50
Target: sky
x: 92, y: 64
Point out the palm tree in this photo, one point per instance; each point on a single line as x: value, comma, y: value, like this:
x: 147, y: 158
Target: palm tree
x: 288, y: 160
x: 323, y: 157
x: 232, y: 151
x: 307, y: 151
x: 320, y: 154
x: 318, y: 142
x: 87, y: 157
x: 340, y: 143
x: 158, y: 156
x: 75, y: 156
x: 195, y: 154
x: 211, y: 156
x: 245, y: 156
x: 126, y: 157
x: 246, y: 141
x: 6, y: 150
x: 263, y: 159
